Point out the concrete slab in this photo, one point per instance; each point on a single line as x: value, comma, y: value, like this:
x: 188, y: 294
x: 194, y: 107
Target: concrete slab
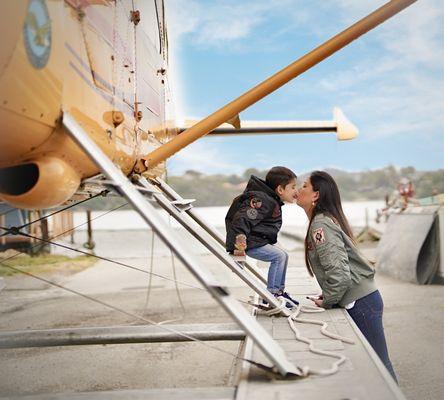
x: 361, y: 376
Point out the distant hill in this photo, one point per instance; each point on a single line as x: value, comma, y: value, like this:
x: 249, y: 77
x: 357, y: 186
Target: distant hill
x: 219, y: 190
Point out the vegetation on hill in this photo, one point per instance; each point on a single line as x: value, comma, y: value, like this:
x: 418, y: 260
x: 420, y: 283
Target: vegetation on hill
x: 219, y: 189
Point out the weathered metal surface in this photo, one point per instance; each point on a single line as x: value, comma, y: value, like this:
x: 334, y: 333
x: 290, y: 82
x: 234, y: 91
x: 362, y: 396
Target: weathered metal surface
x: 409, y: 250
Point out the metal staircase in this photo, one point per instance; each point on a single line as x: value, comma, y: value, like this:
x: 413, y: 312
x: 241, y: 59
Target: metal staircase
x: 137, y: 196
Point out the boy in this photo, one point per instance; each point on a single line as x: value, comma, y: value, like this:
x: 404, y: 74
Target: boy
x: 254, y: 220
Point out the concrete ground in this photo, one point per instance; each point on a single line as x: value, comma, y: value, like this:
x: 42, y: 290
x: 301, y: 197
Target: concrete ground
x: 414, y: 321
x: 414, y: 326
x: 30, y: 304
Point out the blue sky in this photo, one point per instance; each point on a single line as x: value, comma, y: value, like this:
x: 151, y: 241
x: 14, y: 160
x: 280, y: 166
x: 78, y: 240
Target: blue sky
x: 389, y: 83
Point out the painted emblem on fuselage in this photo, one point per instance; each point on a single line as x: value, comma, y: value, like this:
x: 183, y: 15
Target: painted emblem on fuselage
x: 37, y: 33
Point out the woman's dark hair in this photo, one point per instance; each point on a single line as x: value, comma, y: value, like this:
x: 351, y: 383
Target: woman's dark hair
x: 279, y: 176
x: 328, y: 203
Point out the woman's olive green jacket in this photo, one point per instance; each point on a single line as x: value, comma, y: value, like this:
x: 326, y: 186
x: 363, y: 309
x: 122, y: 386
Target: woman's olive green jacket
x: 342, y: 272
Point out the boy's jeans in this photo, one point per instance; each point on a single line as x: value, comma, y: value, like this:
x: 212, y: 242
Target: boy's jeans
x: 278, y: 259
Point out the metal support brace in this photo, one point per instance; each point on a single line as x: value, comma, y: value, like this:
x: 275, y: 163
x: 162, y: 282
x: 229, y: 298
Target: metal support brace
x: 171, y: 193
x: 118, y: 335
x: 184, y: 204
x: 252, y: 328
x: 211, y: 244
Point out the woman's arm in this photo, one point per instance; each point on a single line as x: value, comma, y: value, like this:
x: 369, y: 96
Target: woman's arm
x: 330, y: 247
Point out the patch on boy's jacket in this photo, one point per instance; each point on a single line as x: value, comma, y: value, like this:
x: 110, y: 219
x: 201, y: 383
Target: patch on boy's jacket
x: 255, y: 203
x: 318, y: 236
x: 276, y: 211
x: 252, y: 213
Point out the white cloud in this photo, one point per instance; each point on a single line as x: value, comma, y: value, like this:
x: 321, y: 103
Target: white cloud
x: 219, y: 23
x: 416, y: 35
x: 202, y: 156
x: 399, y: 90
x: 395, y: 89
x: 183, y: 17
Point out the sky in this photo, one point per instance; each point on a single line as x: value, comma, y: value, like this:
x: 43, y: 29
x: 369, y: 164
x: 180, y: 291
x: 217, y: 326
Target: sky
x: 389, y: 82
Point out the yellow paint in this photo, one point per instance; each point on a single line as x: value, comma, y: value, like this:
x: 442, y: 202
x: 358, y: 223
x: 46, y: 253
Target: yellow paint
x: 56, y: 182
x: 91, y: 73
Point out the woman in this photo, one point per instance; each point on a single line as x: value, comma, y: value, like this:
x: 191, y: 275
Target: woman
x: 345, y: 276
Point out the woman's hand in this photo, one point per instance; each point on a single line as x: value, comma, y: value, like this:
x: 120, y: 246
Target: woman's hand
x: 317, y: 300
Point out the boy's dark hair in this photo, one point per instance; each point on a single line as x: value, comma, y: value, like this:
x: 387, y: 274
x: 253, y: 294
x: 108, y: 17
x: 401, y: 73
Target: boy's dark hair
x: 279, y: 176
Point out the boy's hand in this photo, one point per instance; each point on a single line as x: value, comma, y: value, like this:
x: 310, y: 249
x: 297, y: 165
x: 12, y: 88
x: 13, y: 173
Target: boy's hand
x: 240, y: 245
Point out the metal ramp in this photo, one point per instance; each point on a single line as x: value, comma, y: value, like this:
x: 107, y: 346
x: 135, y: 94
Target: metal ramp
x: 412, y: 245
x: 125, y: 188
x: 361, y: 377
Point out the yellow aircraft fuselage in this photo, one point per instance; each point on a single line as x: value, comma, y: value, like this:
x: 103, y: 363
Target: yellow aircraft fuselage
x: 102, y: 61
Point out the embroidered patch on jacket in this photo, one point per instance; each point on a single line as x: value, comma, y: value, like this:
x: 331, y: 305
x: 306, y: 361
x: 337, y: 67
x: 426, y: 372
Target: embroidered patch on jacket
x: 276, y: 212
x: 252, y: 213
x: 318, y: 236
x: 255, y: 203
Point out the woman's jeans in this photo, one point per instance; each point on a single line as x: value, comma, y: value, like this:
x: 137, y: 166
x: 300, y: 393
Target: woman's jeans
x: 278, y: 259
x: 367, y: 314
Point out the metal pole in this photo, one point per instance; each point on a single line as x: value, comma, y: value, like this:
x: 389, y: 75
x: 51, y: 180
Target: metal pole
x: 3, y: 223
x: 118, y: 335
x: 290, y: 72
x: 90, y: 242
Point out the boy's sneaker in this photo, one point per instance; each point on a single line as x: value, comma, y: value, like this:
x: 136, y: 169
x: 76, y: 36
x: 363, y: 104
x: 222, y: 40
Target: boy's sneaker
x: 291, y: 303
x: 263, y: 303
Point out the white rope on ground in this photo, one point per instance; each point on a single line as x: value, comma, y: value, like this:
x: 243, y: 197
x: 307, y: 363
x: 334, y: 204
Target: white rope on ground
x: 340, y: 358
x: 277, y: 310
x: 324, y: 325
x: 294, y: 317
